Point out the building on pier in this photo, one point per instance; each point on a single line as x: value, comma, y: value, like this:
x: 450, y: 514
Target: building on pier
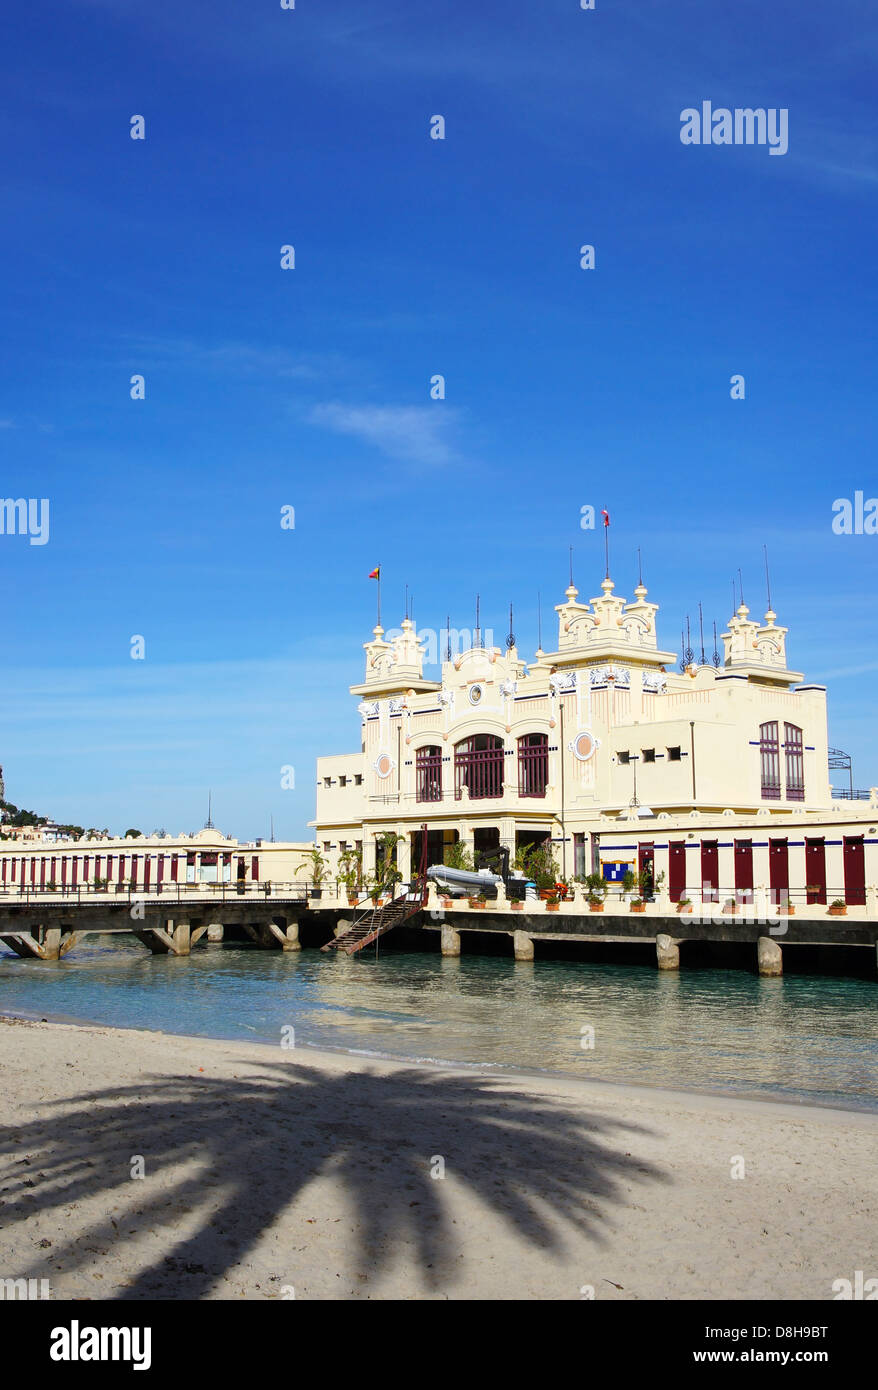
x: 148, y: 863
x: 715, y: 775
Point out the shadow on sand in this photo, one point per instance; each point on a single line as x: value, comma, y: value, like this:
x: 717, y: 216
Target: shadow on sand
x: 247, y: 1148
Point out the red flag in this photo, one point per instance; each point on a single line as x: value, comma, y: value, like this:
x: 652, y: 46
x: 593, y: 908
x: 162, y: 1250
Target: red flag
x: 376, y: 573
x: 606, y: 516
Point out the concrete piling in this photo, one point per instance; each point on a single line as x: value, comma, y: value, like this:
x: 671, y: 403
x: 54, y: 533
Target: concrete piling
x: 667, y: 952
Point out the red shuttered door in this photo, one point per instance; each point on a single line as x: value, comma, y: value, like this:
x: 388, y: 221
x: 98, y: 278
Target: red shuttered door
x: 815, y: 870
x: 854, y: 870
x: 676, y: 869
x: 778, y: 869
x: 744, y: 870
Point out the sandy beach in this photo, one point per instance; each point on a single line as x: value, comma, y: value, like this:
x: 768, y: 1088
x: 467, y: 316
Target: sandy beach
x: 276, y: 1173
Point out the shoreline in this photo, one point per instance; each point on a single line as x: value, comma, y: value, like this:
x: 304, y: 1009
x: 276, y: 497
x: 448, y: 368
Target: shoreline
x: 137, y: 1164
x: 765, y: 1100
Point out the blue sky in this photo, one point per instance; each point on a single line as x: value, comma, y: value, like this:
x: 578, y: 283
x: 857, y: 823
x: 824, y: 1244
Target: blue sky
x: 310, y: 387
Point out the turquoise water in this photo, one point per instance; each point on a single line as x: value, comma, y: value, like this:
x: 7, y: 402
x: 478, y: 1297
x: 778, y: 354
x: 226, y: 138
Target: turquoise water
x: 801, y: 1038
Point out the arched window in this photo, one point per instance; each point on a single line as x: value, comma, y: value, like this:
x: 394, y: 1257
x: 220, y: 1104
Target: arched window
x: 533, y: 764
x: 478, y: 766
x: 794, y: 758
x: 769, y: 761
x: 428, y: 769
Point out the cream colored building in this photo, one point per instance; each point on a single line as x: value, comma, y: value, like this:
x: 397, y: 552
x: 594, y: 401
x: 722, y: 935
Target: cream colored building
x: 149, y: 863
x: 716, y: 776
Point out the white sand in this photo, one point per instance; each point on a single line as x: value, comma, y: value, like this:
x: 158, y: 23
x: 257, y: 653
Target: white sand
x: 268, y: 1170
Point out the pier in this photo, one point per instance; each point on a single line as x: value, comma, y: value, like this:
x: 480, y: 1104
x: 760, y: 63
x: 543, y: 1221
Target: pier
x: 49, y: 925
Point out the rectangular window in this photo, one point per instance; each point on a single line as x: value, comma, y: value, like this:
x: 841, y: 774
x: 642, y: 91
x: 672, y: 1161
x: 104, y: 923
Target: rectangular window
x: 794, y: 758
x: 342, y: 781
x: 649, y: 755
x: 327, y: 846
x: 428, y: 774
x: 579, y: 862
x: 674, y: 754
x: 624, y: 757
x: 769, y: 761
x: 327, y: 781
x: 533, y: 765
x: 358, y: 779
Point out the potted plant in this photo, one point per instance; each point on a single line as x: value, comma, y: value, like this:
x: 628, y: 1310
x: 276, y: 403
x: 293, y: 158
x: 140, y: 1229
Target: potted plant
x: 684, y: 905
x: 516, y: 904
x: 730, y: 907
x: 315, y: 865
x: 628, y: 882
x: 785, y: 908
x: 540, y: 866
x: 478, y: 901
x: 376, y: 891
x: 838, y: 908
x: 638, y: 905
x: 596, y: 892
x: 553, y: 902
x: 595, y: 901
x: 350, y: 866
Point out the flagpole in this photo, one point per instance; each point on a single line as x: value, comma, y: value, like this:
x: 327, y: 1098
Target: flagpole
x: 607, y: 547
x: 379, y: 595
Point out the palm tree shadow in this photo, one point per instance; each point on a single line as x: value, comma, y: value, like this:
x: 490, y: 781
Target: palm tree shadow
x: 549, y: 1172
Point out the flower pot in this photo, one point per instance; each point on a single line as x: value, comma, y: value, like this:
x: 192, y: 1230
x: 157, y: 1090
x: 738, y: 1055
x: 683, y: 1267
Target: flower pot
x: 316, y: 893
x: 517, y: 905
x: 788, y: 911
x: 352, y: 902
x: 447, y: 902
x: 546, y: 893
x: 839, y: 911
x: 684, y: 907
x: 595, y: 907
x: 730, y: 911
x: 552, y: 907
x: 638, y: 907
x: 476, y: 905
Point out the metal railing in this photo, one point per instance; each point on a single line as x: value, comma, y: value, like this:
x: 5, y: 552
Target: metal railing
x: 160, y: 892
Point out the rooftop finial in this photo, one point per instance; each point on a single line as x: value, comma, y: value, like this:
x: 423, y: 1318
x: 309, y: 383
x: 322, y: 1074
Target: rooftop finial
x: 510, y: 640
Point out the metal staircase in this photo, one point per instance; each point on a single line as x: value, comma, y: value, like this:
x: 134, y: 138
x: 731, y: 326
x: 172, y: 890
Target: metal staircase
x: 373, y: 922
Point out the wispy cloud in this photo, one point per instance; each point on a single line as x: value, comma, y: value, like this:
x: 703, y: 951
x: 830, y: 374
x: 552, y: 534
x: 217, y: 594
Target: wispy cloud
x: 412, y: 433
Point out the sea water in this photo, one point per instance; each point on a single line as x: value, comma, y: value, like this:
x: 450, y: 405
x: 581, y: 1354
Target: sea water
x: 803, y: 1038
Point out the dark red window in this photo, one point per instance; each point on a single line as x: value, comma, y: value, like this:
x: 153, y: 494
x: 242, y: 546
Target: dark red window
x: 794, y: 757
x: 254, y: 868
x: 533, y: 764
x: 478, y: 766
x: 769, y: 761
x: 428, y: 771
